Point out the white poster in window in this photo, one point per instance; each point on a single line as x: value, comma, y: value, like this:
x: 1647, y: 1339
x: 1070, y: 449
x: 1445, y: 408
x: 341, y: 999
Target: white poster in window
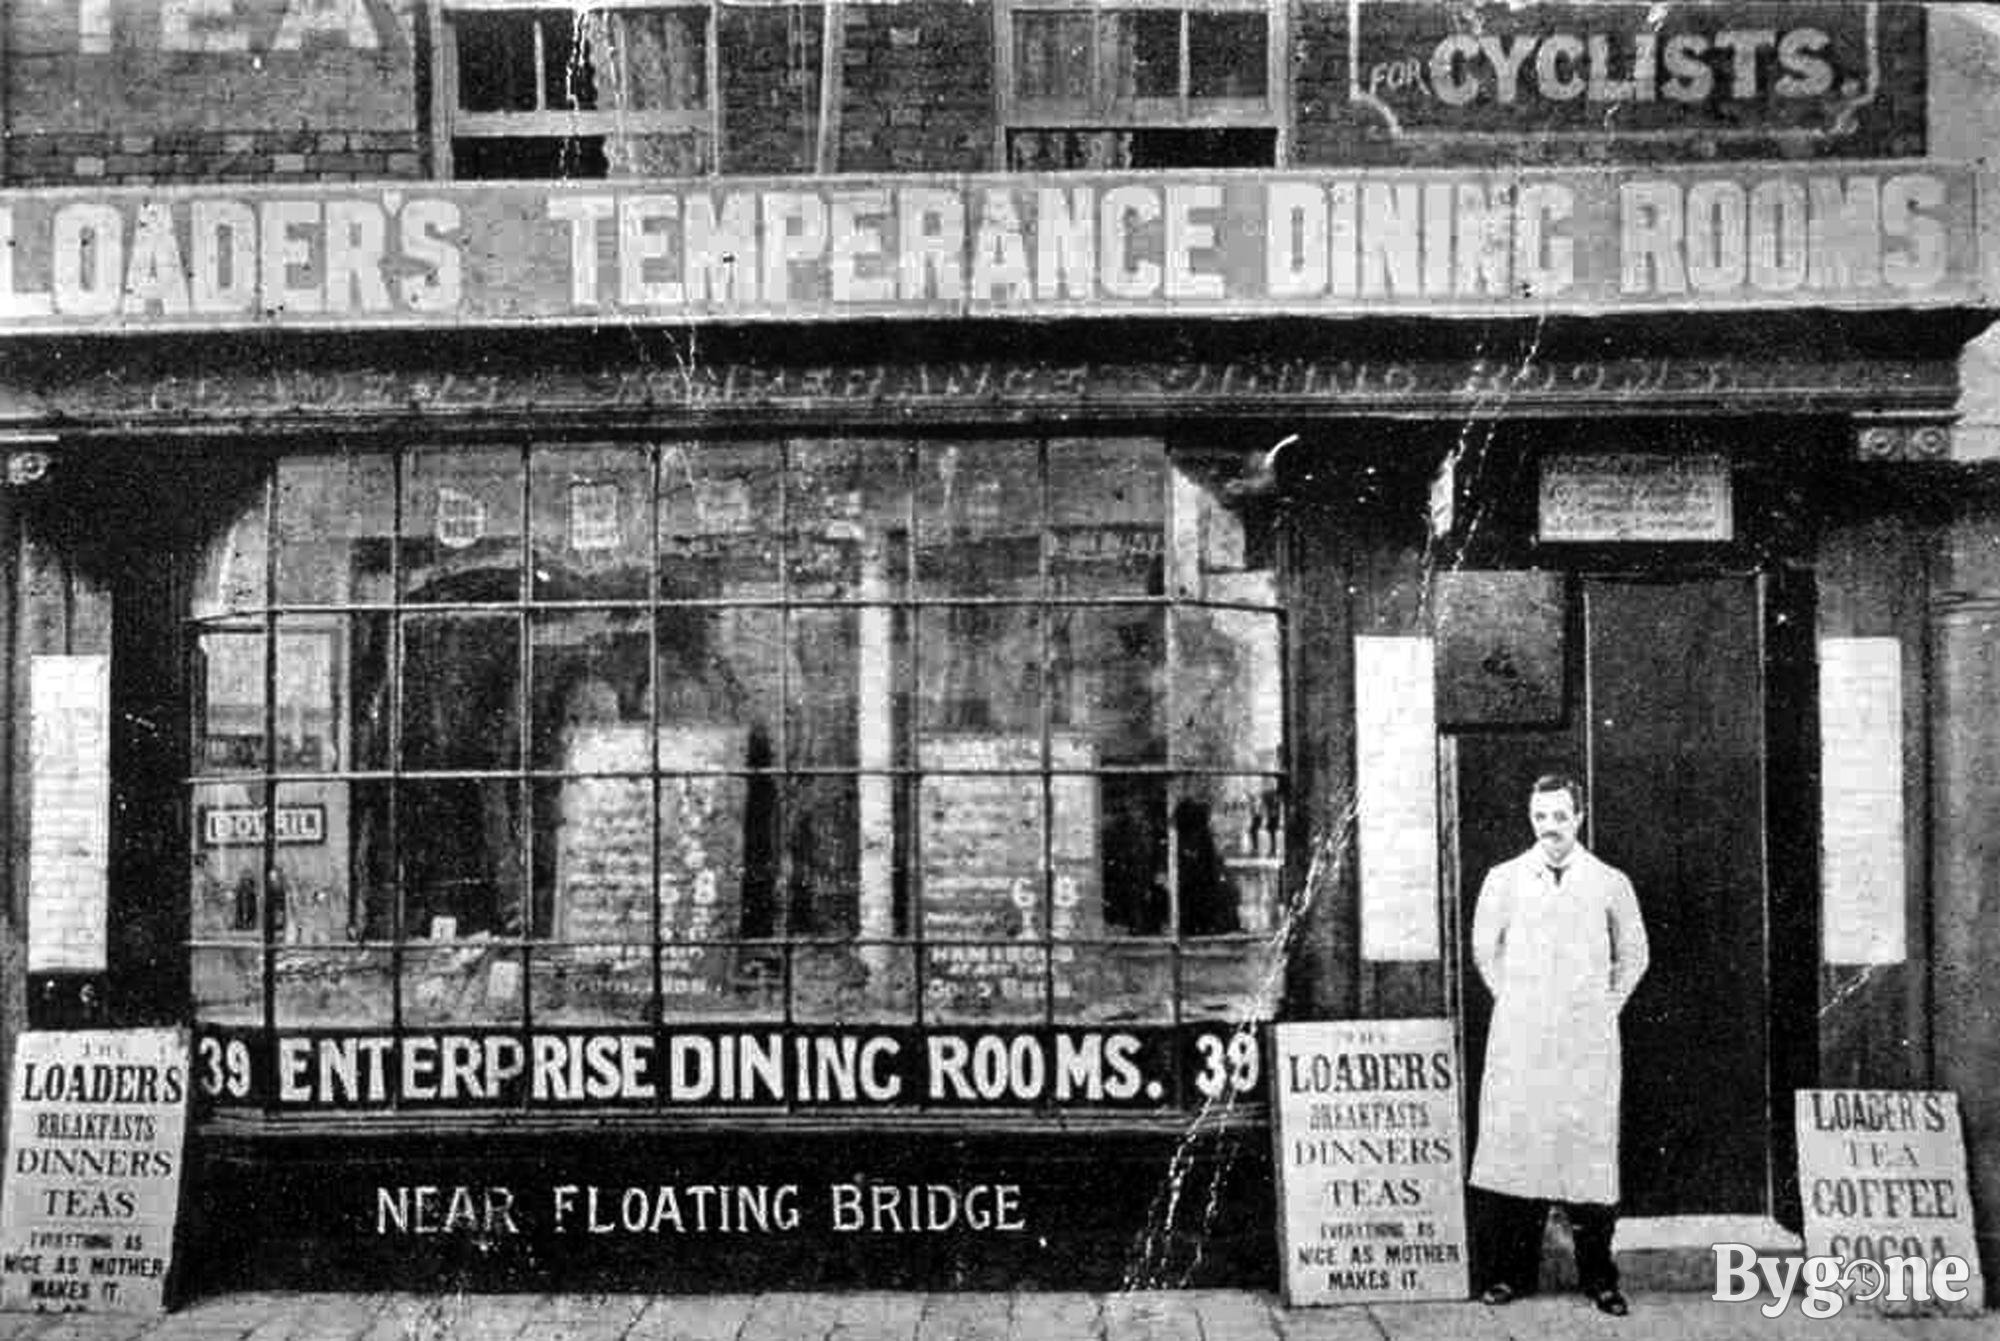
x: 69, y: 818
x: 1861, y: 800
x: 1395, y: 783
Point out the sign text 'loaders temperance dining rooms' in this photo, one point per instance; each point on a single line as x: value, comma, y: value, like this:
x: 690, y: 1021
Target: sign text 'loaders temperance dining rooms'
x: 1533, y: 242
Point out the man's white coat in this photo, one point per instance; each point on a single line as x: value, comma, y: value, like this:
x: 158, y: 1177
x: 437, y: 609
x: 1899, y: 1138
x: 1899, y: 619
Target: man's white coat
x: 1561, y: 959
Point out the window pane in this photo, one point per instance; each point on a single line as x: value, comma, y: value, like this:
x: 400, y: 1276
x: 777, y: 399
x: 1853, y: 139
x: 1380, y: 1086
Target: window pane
x: 996, y: 981
x: 591, y: 670
x: 230, y: 575
x: 226, y: 884
x: 1224, y: 530
x: 1107, y: 502
x: 1228, y: 55
x: 1108, y: 672
x: 1239, y: 978
x: 723, y: 668
x: 472, y: 983
x: 1139, y: 55
x: 848, y: 672
x: 462, y: 525
x: 847, y: 513
x: 592, y: 984
x: 496, y: 62
x: 595, y: 843
x: 1052, y: 55
x: 591, y: 513
x: 666, y: 60
x: 311, y: 686
x: 460, y: 677
x: 822, y: 894
x: 984, y: 859
x: 979, y: 519
x: 1115, y: 984
x: 462, y: 854
x: 720, y: 982
x: 719, y: 519
x: 229, y: 712
x: 1229, y: 851
x: 854, y: 983
x: 575, y: 45
x: 980, y: 670
x: 335, y: 521
x: 1229, y: 693
x: 361, y: 661
x: 701, y: 843
x: 346, y: 988
x: 1133, y: 810
x: 227, y: 983
x: 310, y: 855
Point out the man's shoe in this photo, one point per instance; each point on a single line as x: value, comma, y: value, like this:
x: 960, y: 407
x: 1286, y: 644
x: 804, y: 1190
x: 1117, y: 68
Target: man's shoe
x: 1496, y: 1295
x: 1612, y: 1302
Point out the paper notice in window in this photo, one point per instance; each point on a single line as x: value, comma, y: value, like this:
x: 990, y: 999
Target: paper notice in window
x: 69, y: 823
x: 1395, y: 731
x: 1861, y: 800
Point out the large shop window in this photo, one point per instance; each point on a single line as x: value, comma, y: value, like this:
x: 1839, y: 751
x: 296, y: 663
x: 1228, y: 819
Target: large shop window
x: 606, y: 89
x: 1140, y: 83
x: 817, y: 730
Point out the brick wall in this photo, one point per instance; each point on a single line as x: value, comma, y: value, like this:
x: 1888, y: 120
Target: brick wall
x: 917, y: 88
x: 84, y: 159
x: 770, y: 88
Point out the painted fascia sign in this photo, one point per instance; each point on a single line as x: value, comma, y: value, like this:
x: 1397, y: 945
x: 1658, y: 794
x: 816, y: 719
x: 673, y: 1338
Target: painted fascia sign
x: 1526, y: 242
x: 96, y: 1131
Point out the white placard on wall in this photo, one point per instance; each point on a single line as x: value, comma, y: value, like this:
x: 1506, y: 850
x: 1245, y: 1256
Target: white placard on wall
x: 1861, y: 801
x: 1395, y: 785
x: 69, y: 818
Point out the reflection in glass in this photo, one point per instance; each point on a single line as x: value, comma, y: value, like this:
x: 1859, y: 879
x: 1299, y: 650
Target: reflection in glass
x: 229, y: 715
x: 1228, y: 689
x: 345, y: 988
x: 719, y: 517
x: 980, y: 669
x: 591, y: 670
x: 227, y: 984
x: 846, y: 511
x: 854, y: 983
x: 462, y: 849
x: 466, y: 982
x: 1107, y: 680
x: 461, y: 534
x: 461, y: 675
x: 335, y: 523
x: 226, y: 885
x: 591, y: 984
x: 979, y: 519
x: 999, y: 981
x: 590, y: 515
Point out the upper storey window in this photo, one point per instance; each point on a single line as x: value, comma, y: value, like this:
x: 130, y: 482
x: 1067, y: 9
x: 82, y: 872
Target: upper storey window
x: 1141, y: 84
x: 534, y: 91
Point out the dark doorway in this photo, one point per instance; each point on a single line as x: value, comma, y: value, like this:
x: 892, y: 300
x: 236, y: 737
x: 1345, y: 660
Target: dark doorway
x: 1665, y: 718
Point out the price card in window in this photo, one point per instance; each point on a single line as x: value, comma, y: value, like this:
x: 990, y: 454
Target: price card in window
x: 96, y: 1128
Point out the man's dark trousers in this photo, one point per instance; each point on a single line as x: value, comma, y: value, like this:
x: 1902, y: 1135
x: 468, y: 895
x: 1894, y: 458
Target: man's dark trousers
x: 1509, y: 1243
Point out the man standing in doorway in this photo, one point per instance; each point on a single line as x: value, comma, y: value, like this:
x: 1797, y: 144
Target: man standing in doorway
x: 1559, y: 943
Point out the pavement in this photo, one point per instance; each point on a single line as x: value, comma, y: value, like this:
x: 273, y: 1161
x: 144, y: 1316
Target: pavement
x: 1211, y: 1315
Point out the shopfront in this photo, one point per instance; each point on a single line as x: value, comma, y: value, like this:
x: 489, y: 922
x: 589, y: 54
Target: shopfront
x: 691, y: 732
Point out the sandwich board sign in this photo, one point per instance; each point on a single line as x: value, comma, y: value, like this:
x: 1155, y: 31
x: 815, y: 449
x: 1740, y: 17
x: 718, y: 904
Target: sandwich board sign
x: 1371, y: 1193
x: 96, y: 1132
